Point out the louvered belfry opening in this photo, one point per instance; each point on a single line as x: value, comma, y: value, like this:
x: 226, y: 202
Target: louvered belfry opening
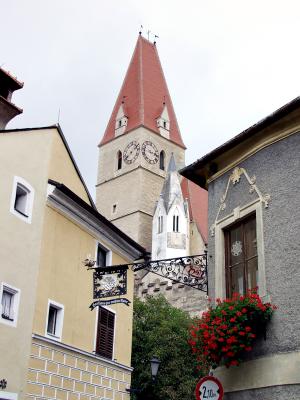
x: 105, y: 333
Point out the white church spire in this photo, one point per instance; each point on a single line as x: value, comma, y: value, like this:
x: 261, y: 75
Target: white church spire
x: 170, y: 227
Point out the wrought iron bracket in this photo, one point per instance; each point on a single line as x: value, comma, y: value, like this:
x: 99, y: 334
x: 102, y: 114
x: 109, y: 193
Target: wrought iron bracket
x: 190, y: 271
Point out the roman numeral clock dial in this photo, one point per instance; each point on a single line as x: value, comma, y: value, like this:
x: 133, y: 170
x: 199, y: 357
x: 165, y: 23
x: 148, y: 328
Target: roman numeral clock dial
x: 150, y: 152
x: 131, y: 152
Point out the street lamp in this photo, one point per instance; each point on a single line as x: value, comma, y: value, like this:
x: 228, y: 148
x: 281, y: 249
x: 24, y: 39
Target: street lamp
x: 154, y: 362
x: 154, y: 367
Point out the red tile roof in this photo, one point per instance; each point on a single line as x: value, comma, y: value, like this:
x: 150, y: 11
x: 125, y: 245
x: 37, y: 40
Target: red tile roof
x: 198, y: 205
x: 144, y: 92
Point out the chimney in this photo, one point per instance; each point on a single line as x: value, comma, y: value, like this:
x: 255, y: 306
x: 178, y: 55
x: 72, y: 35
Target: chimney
x: 8, y: 110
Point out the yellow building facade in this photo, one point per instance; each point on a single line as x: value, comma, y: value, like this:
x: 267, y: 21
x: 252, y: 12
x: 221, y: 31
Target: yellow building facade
x: 52, y: 345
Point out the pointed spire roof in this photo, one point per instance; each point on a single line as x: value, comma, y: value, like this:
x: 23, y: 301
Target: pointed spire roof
x: 171, y: 192
x: 145, y: 94
x: 172, y: 164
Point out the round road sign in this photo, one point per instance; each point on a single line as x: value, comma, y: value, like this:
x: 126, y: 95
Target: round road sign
x: 209, y: 388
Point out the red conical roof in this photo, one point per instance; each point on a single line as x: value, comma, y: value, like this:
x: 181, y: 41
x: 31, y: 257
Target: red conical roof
x: 144, y: 92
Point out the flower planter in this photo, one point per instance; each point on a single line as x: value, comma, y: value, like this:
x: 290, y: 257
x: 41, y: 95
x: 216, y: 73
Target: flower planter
x: 228, y: 331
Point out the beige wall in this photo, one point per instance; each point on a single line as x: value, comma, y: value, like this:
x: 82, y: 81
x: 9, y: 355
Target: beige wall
x: 64, y: 279
x: 62, y: 373
x: 25, y: 155
x: 61, y: 168
x: 37, y: 156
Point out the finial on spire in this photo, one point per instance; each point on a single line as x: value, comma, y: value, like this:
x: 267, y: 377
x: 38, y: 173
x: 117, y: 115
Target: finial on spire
x: 141, y: 30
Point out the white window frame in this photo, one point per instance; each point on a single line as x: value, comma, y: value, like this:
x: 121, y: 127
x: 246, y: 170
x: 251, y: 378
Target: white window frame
x: 59, y: 320
x: 220, y: 226
x: 108, y: 260
x: 29, y: 200
x: 8, y: 395
x: 16, y: 302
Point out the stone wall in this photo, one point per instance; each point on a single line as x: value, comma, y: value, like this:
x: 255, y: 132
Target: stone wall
x: 58, y: 372
x: 276, y: 169
x: 135, y: 188
x: 178, y: 295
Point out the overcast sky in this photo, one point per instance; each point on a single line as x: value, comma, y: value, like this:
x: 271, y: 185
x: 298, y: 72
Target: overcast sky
x: 227, y: 64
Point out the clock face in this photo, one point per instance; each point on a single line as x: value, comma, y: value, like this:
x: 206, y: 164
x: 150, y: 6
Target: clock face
x: 131, y: 152
x: 150, y: 152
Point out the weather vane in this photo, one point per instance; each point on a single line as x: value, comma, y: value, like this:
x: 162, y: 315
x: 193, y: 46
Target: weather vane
x: 149, y: 34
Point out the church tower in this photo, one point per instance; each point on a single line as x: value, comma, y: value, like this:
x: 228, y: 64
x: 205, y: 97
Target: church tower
x: 140, y: 137
x: 171, y: 230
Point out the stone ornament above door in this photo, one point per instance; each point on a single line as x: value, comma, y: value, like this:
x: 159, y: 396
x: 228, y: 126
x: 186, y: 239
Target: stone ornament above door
x: 234, y: 179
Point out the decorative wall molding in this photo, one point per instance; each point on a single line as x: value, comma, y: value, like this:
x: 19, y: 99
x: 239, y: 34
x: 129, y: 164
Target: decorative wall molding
x: 234, y: 179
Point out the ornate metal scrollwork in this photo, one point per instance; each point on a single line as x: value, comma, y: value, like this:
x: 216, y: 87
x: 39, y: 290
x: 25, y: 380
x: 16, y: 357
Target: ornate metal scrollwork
x: 111, y: 281
x: 190, y: 271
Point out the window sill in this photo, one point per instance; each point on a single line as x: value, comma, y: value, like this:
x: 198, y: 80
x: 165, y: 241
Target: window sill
x: 3, y: 316
x: 8, y: 322
x: 20, y: 212
x: 52, y: 336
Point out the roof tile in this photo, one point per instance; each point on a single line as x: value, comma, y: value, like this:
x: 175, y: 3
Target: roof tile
x: 144, y: 91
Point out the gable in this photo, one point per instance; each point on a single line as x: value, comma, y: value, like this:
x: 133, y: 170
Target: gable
x: 62, y: 167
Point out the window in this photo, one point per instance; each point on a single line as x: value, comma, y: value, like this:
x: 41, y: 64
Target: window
x: 54, y: 320
x: 9, y: 304
x: 176, y: 222
x: 101, y: 256
x: 22, y: 199
x: 105, y: 333
x: 241, y: 266
x: 160, y: 224
x: 119, y: 160
x: 162, y: 160
x: 120, y: 123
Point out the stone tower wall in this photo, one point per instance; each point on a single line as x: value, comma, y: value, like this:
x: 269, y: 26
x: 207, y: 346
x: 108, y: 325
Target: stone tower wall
x: 135, y: 188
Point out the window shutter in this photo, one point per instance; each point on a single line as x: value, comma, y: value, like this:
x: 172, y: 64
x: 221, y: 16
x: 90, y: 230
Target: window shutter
x: 105, y: 334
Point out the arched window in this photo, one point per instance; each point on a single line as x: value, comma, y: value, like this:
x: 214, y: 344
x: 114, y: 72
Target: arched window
x: 162, y: 160
x: 160, y: 224
x: 119, y: 160
x: 176, y: 221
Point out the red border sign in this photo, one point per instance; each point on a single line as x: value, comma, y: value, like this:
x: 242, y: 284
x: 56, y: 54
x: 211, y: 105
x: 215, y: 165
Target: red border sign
x: 208, y: 392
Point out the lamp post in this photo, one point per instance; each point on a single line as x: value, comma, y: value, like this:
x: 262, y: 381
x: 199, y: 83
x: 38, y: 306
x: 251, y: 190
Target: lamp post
x: 154, y: 362
x: 154, y: 367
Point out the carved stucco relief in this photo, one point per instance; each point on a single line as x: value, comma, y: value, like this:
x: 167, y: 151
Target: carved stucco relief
x: 234, y: 179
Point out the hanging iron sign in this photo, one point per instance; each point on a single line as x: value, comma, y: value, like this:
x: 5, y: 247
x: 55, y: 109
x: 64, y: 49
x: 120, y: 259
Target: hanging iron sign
x: 110, y: 281
x: 209, y: 388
